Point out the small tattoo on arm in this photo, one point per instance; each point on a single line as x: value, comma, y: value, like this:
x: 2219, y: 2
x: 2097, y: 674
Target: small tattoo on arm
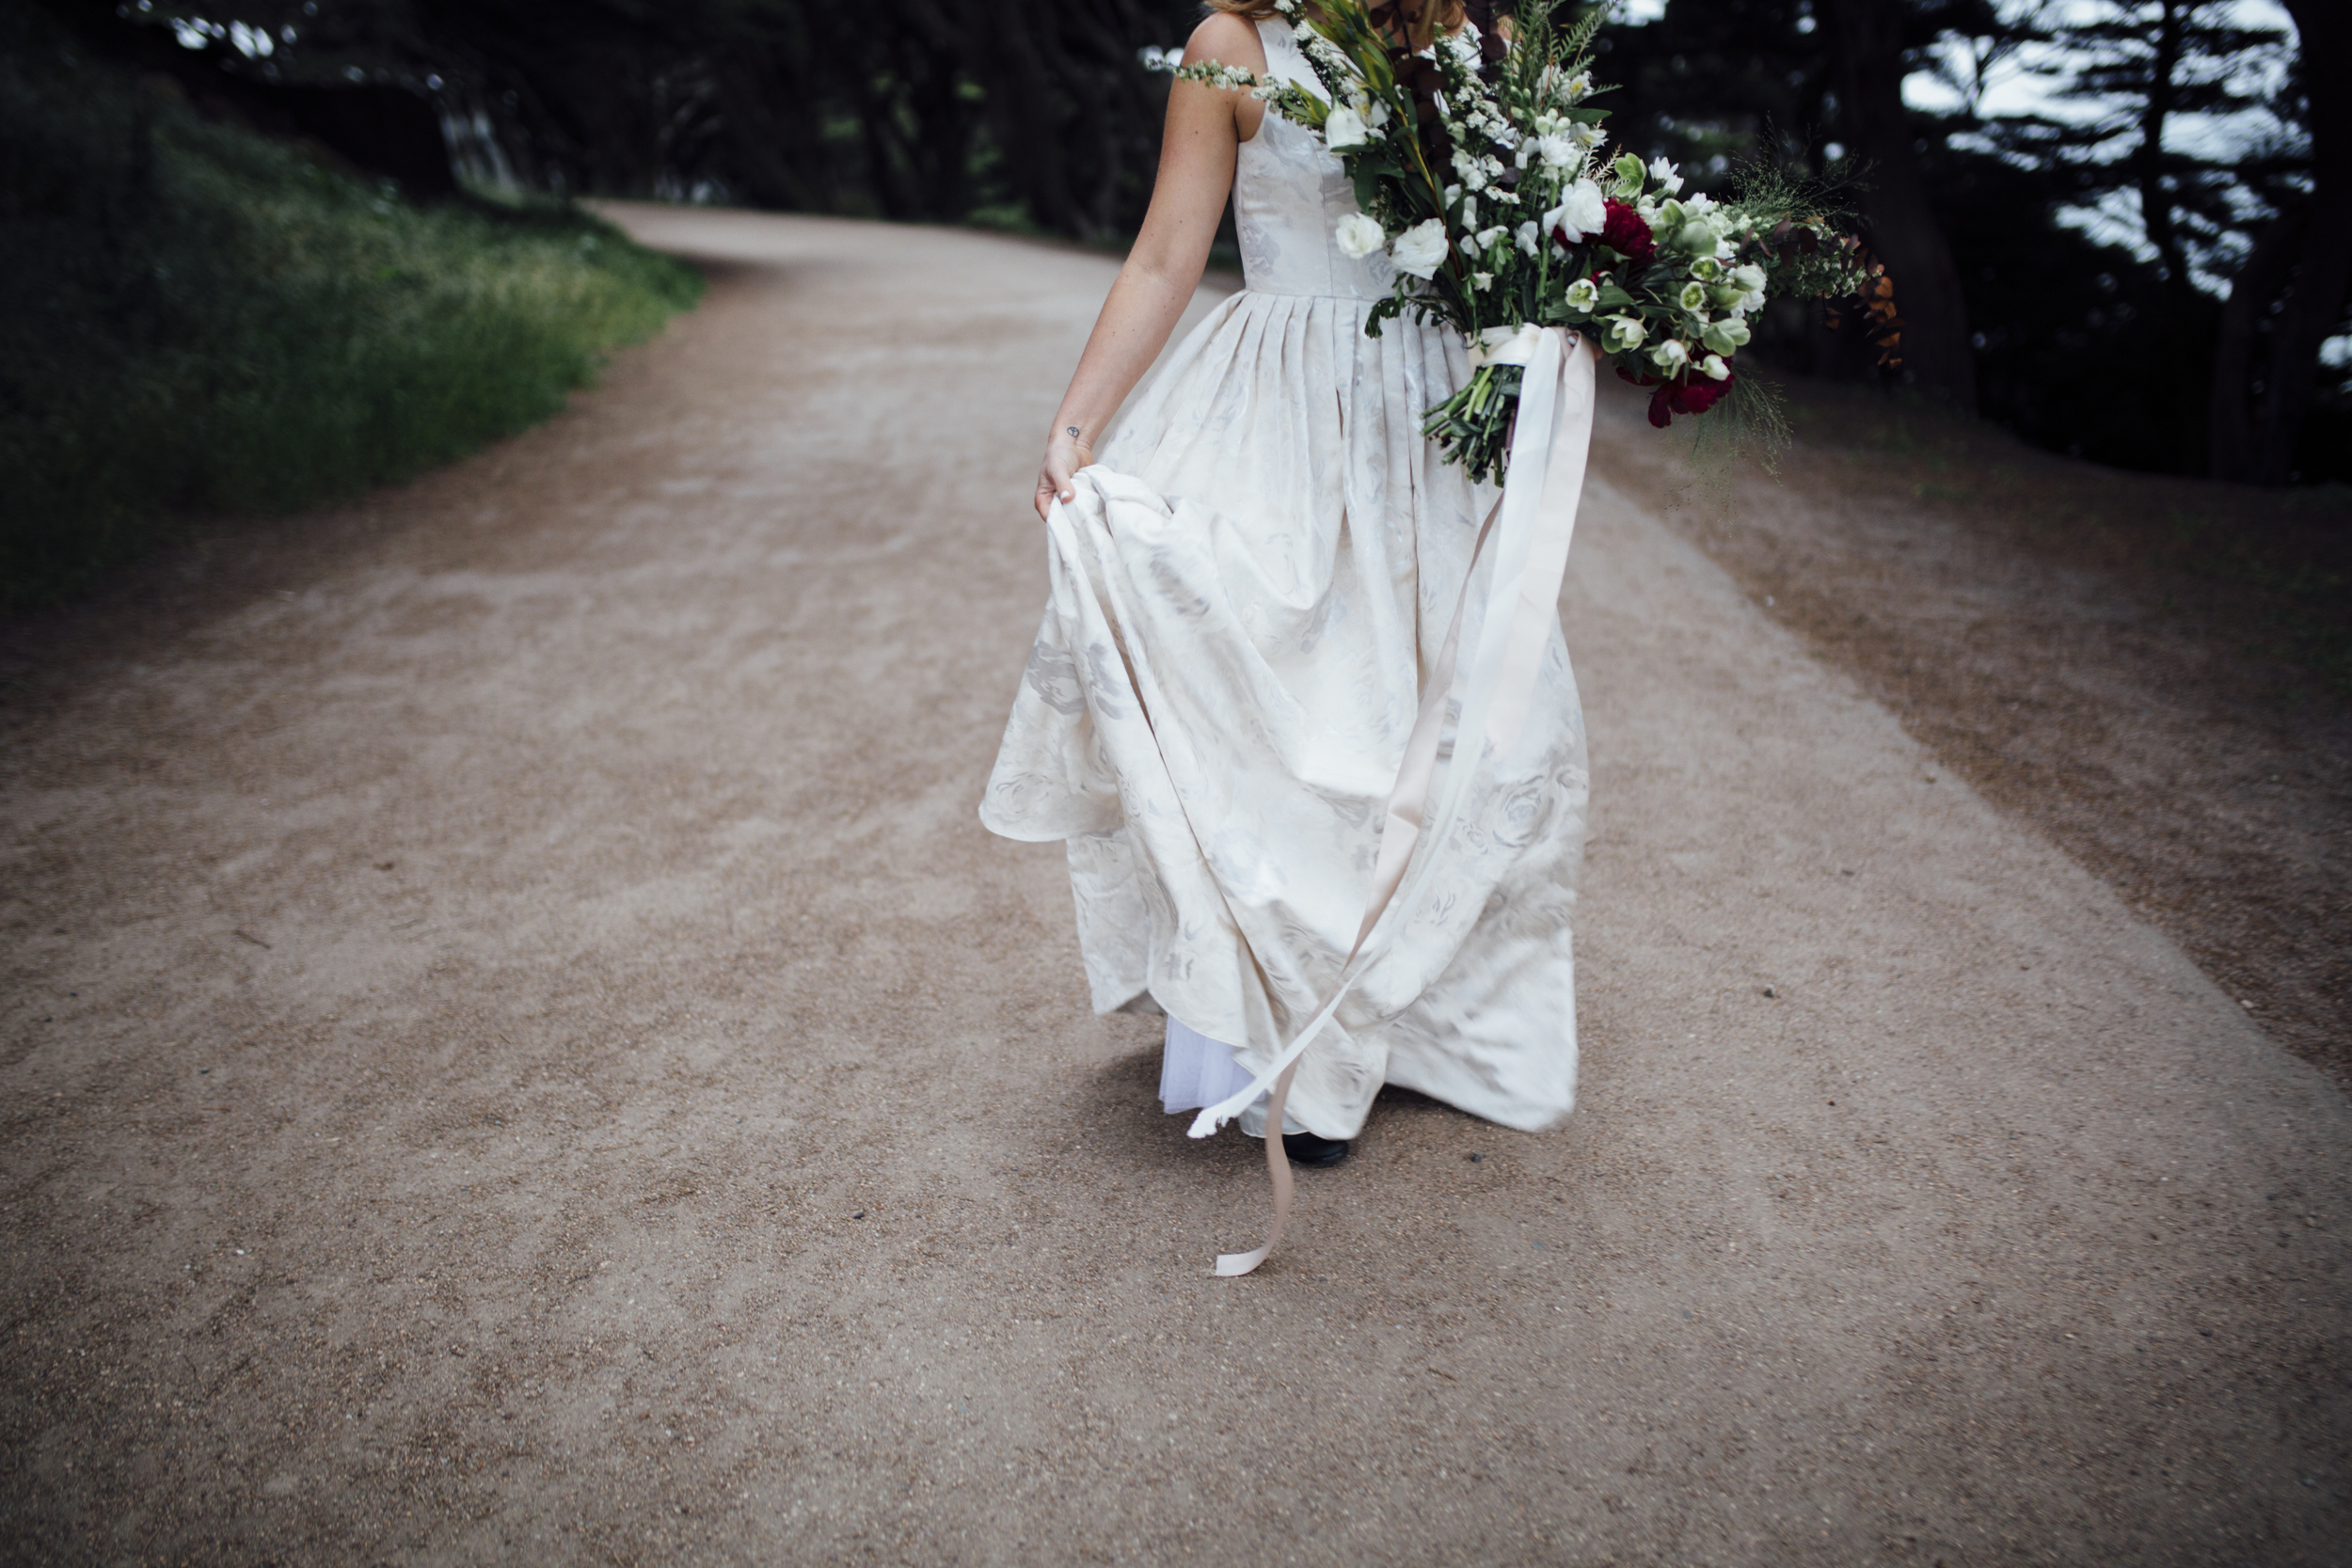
x: 1070, y: 431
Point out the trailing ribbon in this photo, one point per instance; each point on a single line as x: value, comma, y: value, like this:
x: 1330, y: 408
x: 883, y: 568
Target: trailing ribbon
x: 1505, y: 345
x: 1549, y: 442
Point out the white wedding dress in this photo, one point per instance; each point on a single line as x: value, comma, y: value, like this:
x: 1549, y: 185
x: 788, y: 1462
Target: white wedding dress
x: 1250, y: 594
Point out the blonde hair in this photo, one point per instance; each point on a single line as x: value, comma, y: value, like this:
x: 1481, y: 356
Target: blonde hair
x: 1421, y: 21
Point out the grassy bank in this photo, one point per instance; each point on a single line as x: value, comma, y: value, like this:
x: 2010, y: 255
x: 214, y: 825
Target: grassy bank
x: 200, y: 320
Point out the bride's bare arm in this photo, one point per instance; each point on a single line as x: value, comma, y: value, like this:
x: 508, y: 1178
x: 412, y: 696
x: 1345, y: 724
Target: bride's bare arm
x: 1205, y: 129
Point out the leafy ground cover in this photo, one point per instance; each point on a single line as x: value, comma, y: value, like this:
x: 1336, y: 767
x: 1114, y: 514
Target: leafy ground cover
x: 202, y: 320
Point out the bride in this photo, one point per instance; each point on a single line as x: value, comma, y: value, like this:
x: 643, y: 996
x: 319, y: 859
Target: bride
x: 1250, y: 578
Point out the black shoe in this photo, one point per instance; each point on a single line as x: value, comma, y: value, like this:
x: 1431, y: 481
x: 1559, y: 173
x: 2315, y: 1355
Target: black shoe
x: 1305, y: 1149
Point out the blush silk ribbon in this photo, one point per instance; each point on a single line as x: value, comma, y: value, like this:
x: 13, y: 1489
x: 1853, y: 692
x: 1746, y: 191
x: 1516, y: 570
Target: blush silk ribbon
x: 1550, y: 444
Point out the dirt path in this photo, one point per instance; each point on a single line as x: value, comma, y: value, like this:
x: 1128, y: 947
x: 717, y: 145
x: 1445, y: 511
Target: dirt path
x: 2096, y: 652
x: 517, y: 1048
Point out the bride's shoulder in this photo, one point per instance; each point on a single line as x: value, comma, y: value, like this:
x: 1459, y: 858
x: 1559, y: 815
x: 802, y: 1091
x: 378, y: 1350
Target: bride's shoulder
x: 1227, y: 39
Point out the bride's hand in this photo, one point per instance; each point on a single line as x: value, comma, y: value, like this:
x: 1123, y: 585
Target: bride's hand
x: 1065, y: 454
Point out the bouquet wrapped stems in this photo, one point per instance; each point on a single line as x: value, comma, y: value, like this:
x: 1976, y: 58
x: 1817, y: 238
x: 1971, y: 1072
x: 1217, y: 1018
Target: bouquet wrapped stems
x: 1473, y: 426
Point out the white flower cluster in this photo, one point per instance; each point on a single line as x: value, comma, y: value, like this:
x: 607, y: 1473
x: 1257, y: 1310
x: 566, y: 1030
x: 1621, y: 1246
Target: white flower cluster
x: 1217, y: 74
x: 1420, y: 250
x: 1323, y: 52
x: 1358, y: 236
x: 1560, y: 142
x: 1486, y: 256
x: 1354, y: 125
x: 1702, y: 240
x: 1582, y: 213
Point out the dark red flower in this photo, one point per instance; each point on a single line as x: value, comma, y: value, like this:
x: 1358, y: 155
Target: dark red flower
x: 1625, y: 233
x: 1698, y: 395
x: 1695, y: 396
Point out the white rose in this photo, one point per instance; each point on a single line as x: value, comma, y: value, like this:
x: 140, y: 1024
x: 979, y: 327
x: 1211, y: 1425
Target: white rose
x: 1344, y: 130
x: 1358, y: 236
x: 1421, y: 249
x: 1583, y: 210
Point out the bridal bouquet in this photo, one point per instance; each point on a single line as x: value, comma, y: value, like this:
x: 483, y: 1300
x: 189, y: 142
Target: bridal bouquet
x: 1479, y: 168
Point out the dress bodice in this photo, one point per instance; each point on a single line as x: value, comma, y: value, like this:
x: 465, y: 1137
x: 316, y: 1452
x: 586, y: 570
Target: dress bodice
x: 1288, y: 195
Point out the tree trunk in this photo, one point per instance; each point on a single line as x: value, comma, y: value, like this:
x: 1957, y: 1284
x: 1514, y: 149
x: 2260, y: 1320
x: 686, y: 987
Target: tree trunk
x: 2244, y: 353
x: 1020, y: 90
x: 2298, y: 278
x: 1902, y: 226
x: 2155, y: 202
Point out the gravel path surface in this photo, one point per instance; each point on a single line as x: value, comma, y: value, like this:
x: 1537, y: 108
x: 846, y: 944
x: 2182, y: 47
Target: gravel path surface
x: 517, y: 1048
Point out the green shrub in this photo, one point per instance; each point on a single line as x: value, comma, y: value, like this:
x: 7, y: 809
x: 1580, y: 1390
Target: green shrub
x: 196, y: 320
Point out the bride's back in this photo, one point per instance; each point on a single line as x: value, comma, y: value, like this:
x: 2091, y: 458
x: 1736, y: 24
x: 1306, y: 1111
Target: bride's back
x: 1289, y: 197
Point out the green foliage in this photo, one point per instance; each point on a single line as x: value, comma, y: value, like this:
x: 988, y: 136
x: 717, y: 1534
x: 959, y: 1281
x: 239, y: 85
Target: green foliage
x: 200, y: 321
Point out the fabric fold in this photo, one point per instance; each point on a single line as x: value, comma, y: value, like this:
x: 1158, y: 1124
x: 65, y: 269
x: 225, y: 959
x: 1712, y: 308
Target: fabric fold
x: 1246, y: 598
x: 1549, y: 445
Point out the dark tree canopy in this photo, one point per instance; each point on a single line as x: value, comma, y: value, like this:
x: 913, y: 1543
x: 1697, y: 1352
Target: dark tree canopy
x: 2198, y: 353
x: 2091, y: 274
